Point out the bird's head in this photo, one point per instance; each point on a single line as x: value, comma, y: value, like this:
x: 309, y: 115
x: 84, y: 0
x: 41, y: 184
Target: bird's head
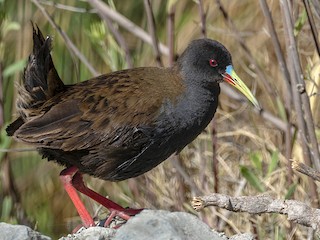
x: 209, y: 62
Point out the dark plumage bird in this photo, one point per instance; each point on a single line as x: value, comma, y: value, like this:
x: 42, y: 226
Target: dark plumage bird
x: 122, y: 124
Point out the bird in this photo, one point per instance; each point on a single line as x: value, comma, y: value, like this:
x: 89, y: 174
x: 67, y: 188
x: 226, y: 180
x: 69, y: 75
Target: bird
x: 121, y: 124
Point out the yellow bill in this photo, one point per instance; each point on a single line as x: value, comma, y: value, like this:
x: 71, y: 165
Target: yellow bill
x: 232, y: 78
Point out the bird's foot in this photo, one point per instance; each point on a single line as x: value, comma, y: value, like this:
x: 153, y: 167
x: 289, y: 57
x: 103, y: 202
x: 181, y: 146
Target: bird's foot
x: 124, y: 216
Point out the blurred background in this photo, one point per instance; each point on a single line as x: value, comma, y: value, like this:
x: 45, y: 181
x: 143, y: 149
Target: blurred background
x: 242, y: 152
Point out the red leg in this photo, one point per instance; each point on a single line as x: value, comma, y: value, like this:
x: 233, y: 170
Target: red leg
x: 78, y: 183
x: 72, y: 181
x: 66, y: 177
x: 115, y: 209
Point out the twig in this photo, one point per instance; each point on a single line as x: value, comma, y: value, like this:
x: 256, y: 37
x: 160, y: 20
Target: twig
x: 153, y: 32
x: 277, y: 122
x: 296, y: 211
x: 277, y: 47
x: 299, y: 91
x: 203, y: 19
x: 67, y: 7
x: 171, y: 17
x: 295, y: 75
x: 287, y: 92
x: 227, y: 214
x: 304, y: 169
x: 1, y: 97
x: 188, y: 180
x: 261, y: 77
x: 118, y: 36
x: 312, y: 25
x: 126, y: 24
x: 9, y: 188
x: 215, y: 162
x: 67, y: 40
x: 316, y: 6
x: 18, y: 150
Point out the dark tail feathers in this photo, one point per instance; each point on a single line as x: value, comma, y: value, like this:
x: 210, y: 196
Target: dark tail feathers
x: 40, y: 80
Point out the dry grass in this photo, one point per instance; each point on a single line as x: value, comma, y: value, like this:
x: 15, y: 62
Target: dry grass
x: 244, y: 138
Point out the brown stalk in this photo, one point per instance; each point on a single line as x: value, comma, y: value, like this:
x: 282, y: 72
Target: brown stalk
x: 188, y: 180
x: 118, y: 36
x: 299, y: 89
x: 1, y: 97
x: 171, y: 29
x: 300, y: 99
x: 214, y: 144
x: 67, y: 7
x: 203, y: 16
x: 153, y: 32
x: 126, y: 24
x: 215, y: 168
x: 261, y: 76
x: 312, y: 25
x: 306, y: 170
x: 287, y: 93
x: 316, y: 5
x: 226, y: 214
x: 9, y: 188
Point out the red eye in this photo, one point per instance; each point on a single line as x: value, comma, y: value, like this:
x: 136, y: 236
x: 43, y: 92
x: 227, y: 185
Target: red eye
x: 213, y: 63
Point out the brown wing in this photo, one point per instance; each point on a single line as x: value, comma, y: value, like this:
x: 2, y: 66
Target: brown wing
x: 98, y: 110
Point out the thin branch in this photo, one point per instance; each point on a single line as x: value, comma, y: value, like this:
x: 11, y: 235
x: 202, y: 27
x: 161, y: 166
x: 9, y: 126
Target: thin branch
x: 203, y: 16
x: 277, y: 47
x: 153, y: 32
x: 118, y: 36
x: 67, y: 7
x: 126, y: 24
x: 268, y: 116
x: 188, y: 180
x: 121, y: 41
x: 18, y: 149
x: 292, y: 61
x: 227, y: 214
x: 9, y: 188
x: 316, y: 6
x: 261, y: 77
x: 304, y: 169
x: 299, y: 90
x: 215, y: 162
x: 296, y: 211
x: 287, y: 91
x: 1, y: 97
x: 67, y: 40
x: 312, y: 25
x: 171, y: 30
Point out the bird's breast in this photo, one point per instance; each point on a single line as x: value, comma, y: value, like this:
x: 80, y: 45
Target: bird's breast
x: 185, y: 119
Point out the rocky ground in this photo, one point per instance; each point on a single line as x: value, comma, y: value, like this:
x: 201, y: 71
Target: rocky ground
x: 149, y: 224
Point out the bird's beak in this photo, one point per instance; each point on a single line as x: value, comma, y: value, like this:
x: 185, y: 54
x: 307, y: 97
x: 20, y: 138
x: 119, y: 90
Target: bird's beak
x: 232, y: 78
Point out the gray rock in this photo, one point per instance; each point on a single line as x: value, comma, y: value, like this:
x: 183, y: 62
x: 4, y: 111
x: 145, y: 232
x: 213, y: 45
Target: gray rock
x: 92, y: 233
x: 164, y: 225
x: 19, y: 232
x: 243, y: 236
x: 149, y: 224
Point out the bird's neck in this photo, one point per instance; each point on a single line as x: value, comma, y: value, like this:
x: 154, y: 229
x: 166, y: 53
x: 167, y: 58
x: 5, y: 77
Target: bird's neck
x: 197, y: 104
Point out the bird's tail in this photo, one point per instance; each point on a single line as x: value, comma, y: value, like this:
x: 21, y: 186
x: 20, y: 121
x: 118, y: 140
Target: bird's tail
x: 40, y: 79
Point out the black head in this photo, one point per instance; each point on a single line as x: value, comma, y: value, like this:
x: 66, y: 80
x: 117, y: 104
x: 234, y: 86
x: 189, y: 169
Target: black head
x: 204, y: 60
x: 206, y: 63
